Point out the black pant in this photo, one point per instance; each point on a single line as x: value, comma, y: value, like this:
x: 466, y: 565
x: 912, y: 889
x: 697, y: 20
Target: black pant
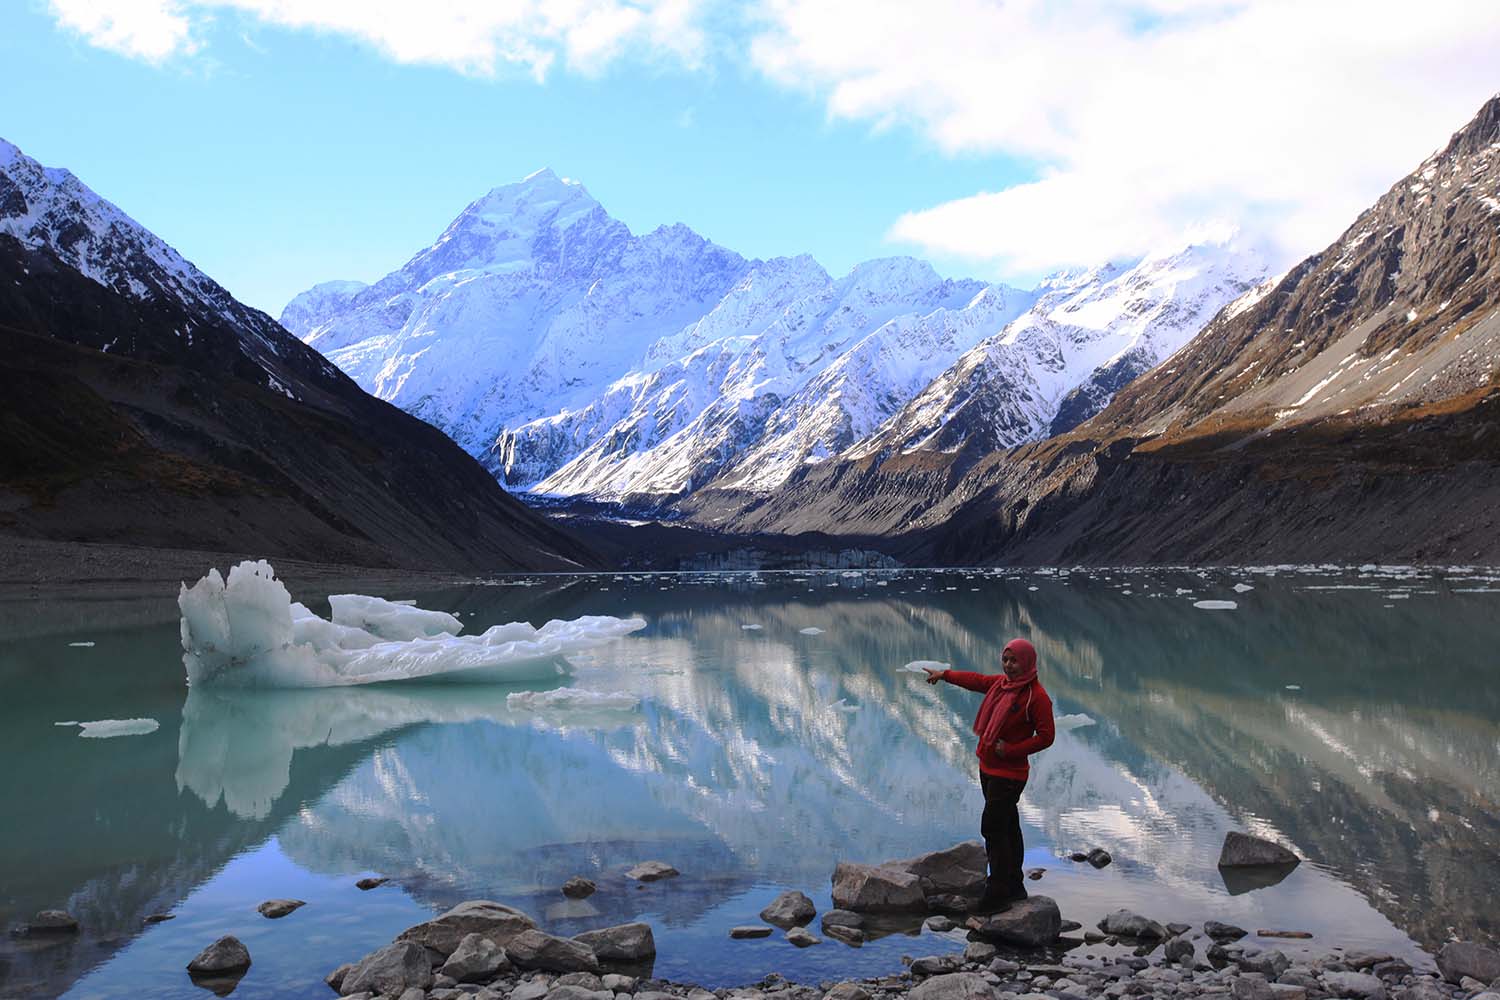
x: 1000, y: 825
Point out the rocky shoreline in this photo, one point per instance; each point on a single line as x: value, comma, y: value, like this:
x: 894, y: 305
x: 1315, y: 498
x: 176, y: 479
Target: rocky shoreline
x: 489, y: 951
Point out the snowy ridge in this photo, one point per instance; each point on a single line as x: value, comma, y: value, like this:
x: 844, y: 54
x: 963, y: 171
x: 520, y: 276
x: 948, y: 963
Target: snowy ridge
x: 1060, y: 362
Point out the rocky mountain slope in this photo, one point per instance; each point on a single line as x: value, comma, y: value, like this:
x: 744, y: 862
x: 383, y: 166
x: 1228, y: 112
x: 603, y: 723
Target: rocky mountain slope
x: 1342, y: 412
x: 146, y: 406
x: 577, y: 360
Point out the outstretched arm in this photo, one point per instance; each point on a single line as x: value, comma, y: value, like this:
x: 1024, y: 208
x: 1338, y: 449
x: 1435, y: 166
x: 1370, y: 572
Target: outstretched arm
x: 963, y: 678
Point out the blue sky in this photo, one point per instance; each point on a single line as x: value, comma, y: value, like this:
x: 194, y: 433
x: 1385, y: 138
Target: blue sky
x: 278, y: 144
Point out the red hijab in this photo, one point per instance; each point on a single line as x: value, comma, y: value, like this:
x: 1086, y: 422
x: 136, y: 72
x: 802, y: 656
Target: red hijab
x: 1002, y: 695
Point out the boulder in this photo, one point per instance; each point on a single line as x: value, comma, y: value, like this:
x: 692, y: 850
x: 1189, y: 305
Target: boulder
x: 53, y: 922
x: 842, y: 918
x: 1035, y: 873
x: 616, y: 983
x: 751, y: 931
x: 1223, y: 932
x: 876, y: 889
x: 951, y: 902
x: 273, y: 909
x: 496, y: 921
x: 1354, y: 984
x: 979, y: 951
x: 937, y: 965
x: 225, y: 955
x: 854, y: 937
x: 939, y: 924
x: 533, y: 990
x: 847, y: 991
x: 1251, y: 988
x: 954, y: 986
x: 1098, y: 857
x: 620, y: 943
x: 477, y: 959
x: 1244, y: 851
x: 578, y: 887
x: 651, y: 871
x: 390, y: 970
x: 1032, y: 923
x: 1270, y: 964
x: 1128, y: 923
x: 335, y: 979
x: 802, y: 937
x: 534, y: 949
x: 587, y: 980
x: 790, y: 909
x: 1457, y: 959
x: 370, y: 883
x: 1360, y: 961
x: 959, y: 869
x: 1423, y: 989
x: 1177, y: 928
x: 1180, y: 950
x: 578, y: 993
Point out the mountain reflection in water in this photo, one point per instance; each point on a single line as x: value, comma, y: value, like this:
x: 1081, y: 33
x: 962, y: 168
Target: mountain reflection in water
x: 1379, y: 765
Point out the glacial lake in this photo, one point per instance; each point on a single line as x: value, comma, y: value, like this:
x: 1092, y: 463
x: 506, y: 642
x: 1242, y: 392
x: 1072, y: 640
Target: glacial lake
x: 1353, y: 715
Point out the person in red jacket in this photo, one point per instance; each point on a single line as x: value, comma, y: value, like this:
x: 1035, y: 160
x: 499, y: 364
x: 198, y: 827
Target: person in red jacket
x: 1014, y: 720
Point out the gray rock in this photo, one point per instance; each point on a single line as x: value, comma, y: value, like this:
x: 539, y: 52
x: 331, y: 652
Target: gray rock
x: 1270, y: 964
x: 276, y: 908
x: 1092, y: 937
x: 225, y: 955
x: 1176, y: 929
x: 651, y: 871
x: 1471, y: 985
x: 1032, y: 923
x: 53, y: 922
x: 1035, y: 873
x: 1354, y: 984
x: 389, y: 970
x: 416, y: 993
x: 847, y: 991
x: 1223, y: 932
x: 1098, y: 857
x: 1288, y: 991
x: 842, y: 918
x: 157, y: 918
x: 954, y: 986
x: 790, y: 909
x: 1362, y: 960
x: 578, y: 993
x: 951, y: 903
x: 587, y: 980
x: 854, y: 937
x: 876, y: 889
x: 442, y: 981
x: 958, y: 869
x: 335, y: 979
x: 367, y: 884
x: 621, y: 943
x: 1242, y: 851
x: 939, y: 924
x: 534, y: 949
x: 657, y: 995
x: 752, y: 931
x: 802, y: 937
x: 616, y: 983
x: 1251, y: 988
x: 578, y: 887
x: 937, y: 965
x: 1457, y: 959
x: 1180, y: 950
x: 496, y: 921
x: 533, y: 990
x: 1128, y: 923
x: 979, y: 951
x: 477, y: 959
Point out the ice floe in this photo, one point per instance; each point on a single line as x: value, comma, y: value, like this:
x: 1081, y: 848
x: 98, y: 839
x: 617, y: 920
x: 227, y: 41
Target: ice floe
x: 751, y: 627
x: 922, y: 666
x: 247, y: 632
x: 82, y: 645
x: 1216, y: 605
x: 1074, y: 720
x: 811, y: 630
x: 570, y: 698
x: 102, y: 729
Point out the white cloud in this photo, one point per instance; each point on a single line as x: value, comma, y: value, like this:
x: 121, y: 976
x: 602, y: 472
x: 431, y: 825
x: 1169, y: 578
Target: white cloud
x: 1146, y: 121
x: 476, y: 37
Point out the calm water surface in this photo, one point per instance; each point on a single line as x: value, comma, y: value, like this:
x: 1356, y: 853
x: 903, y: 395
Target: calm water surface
x: 1353, y: 716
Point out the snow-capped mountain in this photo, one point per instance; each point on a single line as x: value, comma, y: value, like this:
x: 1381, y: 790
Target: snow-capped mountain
x: 1087, y: 335
x: 534, y: 298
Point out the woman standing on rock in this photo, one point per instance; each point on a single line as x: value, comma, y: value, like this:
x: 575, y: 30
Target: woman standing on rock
x: 1014, y: 720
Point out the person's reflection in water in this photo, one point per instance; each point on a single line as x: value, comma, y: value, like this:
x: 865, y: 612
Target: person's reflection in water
x: 1014, y: 720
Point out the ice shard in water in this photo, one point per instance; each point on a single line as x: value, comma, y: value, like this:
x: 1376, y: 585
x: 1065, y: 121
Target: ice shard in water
x: 247, y: 632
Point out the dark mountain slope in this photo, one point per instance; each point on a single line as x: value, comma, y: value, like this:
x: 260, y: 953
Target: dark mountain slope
x: 145, y: 406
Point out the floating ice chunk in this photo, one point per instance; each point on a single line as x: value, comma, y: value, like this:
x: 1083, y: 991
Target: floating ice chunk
x: 922, y: 666
x: 811, y: 630
x: 1294, y: 687
x: 1075, y: 720
x: 570, y: 698
x: 752, y: 627
x: 1216, y: 605
x: 246, y: 632
x: 1242, y: 588
x: 82, y: 645
x: 102, y: 729
x: 70, y: 722
x: 842, y: 706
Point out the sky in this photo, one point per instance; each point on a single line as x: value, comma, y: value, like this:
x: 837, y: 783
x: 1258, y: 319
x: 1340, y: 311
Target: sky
x: 280, y: 143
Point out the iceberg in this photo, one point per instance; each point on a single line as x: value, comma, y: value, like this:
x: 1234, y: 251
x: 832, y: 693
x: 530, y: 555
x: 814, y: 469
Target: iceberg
x: 247, y: 632
x: 1216, y: 605
x: 103, y: 729
x: 922, y: 666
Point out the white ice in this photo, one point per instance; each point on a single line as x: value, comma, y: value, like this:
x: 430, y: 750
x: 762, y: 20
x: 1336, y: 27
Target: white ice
x: 1241, y: 588
x: 247, y: 632
x: 83, y: 645
x: 101, y: 729
x: 1215, y: 605
x: 922, y: 666
x: 811, y: 630
x: 1075, y: 720
x: 570, y: 698
x: 751, y: 628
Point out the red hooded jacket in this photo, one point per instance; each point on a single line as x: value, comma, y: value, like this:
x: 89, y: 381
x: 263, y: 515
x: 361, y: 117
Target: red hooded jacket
x: 1026, y: 726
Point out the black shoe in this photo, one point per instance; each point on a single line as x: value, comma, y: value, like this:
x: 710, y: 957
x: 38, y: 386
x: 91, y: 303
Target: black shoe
x: 990, y: 902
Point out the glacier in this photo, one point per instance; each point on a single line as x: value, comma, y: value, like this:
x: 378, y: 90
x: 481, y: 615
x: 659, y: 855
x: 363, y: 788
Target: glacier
x: 247, y: 632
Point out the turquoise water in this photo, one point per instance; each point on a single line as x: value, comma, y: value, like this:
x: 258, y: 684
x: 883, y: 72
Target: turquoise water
x: 1354, y: 716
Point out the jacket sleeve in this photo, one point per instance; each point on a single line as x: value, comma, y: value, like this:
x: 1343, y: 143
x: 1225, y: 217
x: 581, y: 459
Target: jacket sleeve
x: 969, y: 679
x: 1046, y: 728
